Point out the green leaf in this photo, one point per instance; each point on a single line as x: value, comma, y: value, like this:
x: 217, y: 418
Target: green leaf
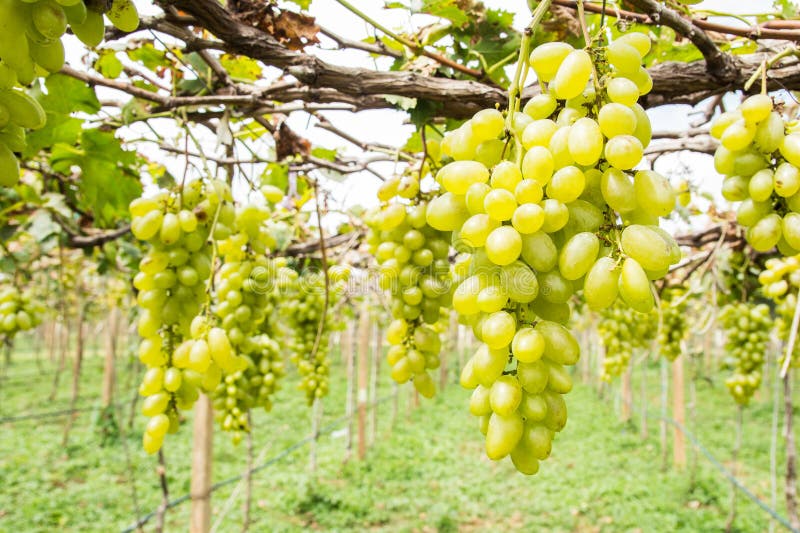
x: 41, y: 226
x: 276, y: 174
x: 402, y: 102
x: 324, y: 153
x: 149, y: 56
x: 302, y: 4
x: 423, y: 112
x: 447, y: 9
x: 241, y: 67
x: 67, y: 95
x: 787, y: 8
x: 59, y: 129
x: 108, y: 64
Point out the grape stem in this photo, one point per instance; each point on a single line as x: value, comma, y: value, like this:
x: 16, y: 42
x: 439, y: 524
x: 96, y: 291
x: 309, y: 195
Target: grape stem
x: 524, y: 52
x: 761, y: 71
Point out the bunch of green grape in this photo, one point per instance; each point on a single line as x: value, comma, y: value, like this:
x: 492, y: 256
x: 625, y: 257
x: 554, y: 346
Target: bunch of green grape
x: 19, y: 311
x: 674, y: 325
x: 31, y: 31
x: 172, y: 284
x: 542, y: 204
x: 414, y: 268
x: 302, y: 303
x: 18, y: 111
x: 30, y: 46
x: 759, y: 155
x: 780, y: 282
x: 244, y: 301
x: 623, y: 331
x: 747, y: 327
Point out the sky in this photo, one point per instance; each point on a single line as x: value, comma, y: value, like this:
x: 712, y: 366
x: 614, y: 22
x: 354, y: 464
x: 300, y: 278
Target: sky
x: 390, y: 127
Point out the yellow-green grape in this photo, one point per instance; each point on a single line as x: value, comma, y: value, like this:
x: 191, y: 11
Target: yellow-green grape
x: 414, y: 266
x: 302, y: 297
x: 183, y: 353
x: 19, y: 310
x: 780, y: 282
x: 758, y: 156
x: 674, y: 325
x: 245, y: 300
x: 563, y: 213
x: 747, y: 327
x: 623, y: 331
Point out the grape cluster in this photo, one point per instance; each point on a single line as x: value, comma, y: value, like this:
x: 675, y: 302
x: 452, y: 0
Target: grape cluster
x: 747, y: 327
x: 674, y: 326
x: 181, y: 349
x: 30, y: 43
x: 759, y: 155
x: 19, y: 311
x: 544, y: 203
x: 780, y: 282
x: 414, y: 268
x: 623, y: 331
x: 244, y: 304
x: 302, y: 296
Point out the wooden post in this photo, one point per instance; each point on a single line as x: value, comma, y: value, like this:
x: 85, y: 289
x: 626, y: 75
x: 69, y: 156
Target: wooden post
x: 791, y: 460
x: 110, y: 357
x: 664, y: 375
x: 374, y: 380
x: 678, y: 413
x: 734, y: 468
x: 202, y: 446
x: 363, y: 373
x: 316, y: 418
x: 460, y: 348
x: 347, y: 347
x: 627, y: 392
x: 643, y: 399
x: 76, y: 371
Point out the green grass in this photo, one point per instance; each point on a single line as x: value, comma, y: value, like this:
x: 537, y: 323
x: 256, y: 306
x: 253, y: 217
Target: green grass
x: 425, y: 472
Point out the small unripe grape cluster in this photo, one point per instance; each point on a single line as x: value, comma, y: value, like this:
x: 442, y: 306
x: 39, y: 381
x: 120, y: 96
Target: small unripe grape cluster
x: 623, y: 331
x: 780, y: 282
x: 759, y: 155
x: 182, y: 351
x: 414, y: 268
x: 302, y: 298
x: 244, y: 300
x: 747, y: 327
x: 674, y: 325
x: 542, y: 204
x: 19, y: 311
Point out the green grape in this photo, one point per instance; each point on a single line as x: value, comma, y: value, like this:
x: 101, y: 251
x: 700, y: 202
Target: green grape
x: 173, y: 346
x: 578, y: 255
x: 674, y: 325
x: 585, y: 141
x: 567, y: 184
x: 9, y: 166
x: 560, y: 215
x: 622, y: 91
x: 123, y: 15
x: 622, y: 332
x: 634, y: 286
x: 49, y: 19
x: 500, y: 204
x: 503, y: 245
x: 602, y: 284
x: 747, y: 327
x: 457, y: 176
x: 624, y: 152
x: 573, y: 74
x: 547, y: 58
x: 616, y: 119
